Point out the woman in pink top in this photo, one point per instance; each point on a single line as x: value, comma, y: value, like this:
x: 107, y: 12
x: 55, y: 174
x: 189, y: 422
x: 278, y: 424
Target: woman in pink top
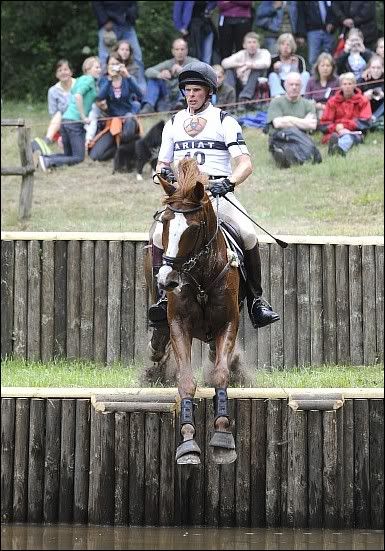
x: 235, y: 20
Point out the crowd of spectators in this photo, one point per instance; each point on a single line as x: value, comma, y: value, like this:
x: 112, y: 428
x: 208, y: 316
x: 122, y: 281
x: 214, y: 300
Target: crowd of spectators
x: 319, y: 64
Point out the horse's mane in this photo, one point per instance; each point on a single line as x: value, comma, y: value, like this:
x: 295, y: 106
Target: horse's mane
x: 188, y: 175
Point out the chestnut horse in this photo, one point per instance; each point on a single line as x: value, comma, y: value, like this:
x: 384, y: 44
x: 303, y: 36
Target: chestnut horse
x: 202, y: 286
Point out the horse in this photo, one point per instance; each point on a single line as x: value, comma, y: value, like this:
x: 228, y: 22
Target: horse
x: 203, y: 285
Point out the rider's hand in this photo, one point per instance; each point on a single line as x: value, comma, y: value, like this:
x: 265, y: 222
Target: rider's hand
x: 221, y: 187
x: 167, y: 174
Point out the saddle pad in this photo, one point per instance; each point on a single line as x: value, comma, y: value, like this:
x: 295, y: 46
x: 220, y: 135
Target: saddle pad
x: 234, y: 243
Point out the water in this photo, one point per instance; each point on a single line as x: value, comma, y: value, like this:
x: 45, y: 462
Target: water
x: 27, y: 536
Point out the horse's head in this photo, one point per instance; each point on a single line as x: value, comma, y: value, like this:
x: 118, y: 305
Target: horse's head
x: 185, y: 228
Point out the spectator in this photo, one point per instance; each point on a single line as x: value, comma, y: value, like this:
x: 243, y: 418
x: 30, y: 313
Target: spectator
x: 284, y: 63
x: 290, y: 111
x: 235, y: 20
x: 346, y: 116
x: 163, y: 92
x: 126, y: 56
x: 276, y: 18
x: 58, y: 96
x: 244, y: 68
x: 373, y: 89
x: 324, y: 82
x: 358, y: 14
x: 380, y: 47
x: 316, y: 23
x: 119, y: 17
x: 225, y: 94
x: 75, y: 116
x: 117, y: 90
x: 193, y: 21
x: 355, y: 55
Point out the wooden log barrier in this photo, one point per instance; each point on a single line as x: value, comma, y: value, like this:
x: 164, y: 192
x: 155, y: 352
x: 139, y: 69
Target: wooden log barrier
x: 65, y: 460
x: 84, y: 296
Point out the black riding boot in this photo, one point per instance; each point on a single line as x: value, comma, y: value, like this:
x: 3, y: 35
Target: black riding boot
x: 157, y: 312
x: 260, y: 311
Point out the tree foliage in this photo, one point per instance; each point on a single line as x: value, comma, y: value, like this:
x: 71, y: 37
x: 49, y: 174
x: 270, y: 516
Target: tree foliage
x: 35, y: 35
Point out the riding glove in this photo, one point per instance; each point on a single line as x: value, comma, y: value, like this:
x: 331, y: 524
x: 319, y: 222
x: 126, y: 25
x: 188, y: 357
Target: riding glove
x: 167, y: 174
x: 220, y: 188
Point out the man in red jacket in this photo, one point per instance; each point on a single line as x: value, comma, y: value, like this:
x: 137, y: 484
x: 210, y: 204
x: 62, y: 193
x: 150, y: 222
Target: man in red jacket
x: 346, y: 116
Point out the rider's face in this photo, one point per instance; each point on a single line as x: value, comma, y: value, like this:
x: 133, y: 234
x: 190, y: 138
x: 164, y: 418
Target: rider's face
x: 195, y: 95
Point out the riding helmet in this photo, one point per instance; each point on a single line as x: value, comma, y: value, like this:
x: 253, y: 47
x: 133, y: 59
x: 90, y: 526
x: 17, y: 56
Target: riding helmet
x: 198, y: 72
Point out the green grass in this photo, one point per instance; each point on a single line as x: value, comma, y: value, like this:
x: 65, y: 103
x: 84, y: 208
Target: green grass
x: 88, y: 374
x: 340, y: 196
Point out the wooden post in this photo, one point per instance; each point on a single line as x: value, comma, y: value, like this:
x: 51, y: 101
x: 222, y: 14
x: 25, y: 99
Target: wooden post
x: 330, y: 460
x: 34, y: 297
x: 290, y: 334
x: 127, y: 330
x: 26, y: 191
x: 212, y: 479
x: 329, y: 303
x: 100, y: 313
x: 376, y: 455
x: 114, y: 301
x: 264, y: 336
x: 136, y: 470
x: 82, y: 460
x: 7, y: 457
x: 314, y: 444
x: 20, y: 300
x: 7, y: 291
x: 167, y: 469
x: 87, y: 301
x: 36, y: 460
x: 361, y: 464
x: 67, y: 460
x: 73, y: 299
x: 47, y: 300
x: 342, y: 300
x: 369, y: 304
x: 273, y: 463
x: 317, y: 345
x: 122, y: 432
x: 151, y: 461
x: 277, y: 294
x: 355, y: 301
x: 242, y: 466
x: 52, y: 461
x: 379, y: 255
x: 297, y: 490
x: 257, y: 462
x: 20, y: 471
x: 303, y: 304
x: 348, y: 461
x: 60, y: 305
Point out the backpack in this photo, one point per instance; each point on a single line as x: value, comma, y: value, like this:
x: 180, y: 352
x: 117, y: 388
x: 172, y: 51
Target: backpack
x: 291, y: 146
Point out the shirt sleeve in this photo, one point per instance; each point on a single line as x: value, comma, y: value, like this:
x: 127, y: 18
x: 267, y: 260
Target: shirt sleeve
x: 52, y: 101
x: 233, y: 137
x: 166, y: 152
x: 274, y: 110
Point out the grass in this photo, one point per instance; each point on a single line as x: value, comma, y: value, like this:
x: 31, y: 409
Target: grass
x: 64, y: 373
x: 341, y: 196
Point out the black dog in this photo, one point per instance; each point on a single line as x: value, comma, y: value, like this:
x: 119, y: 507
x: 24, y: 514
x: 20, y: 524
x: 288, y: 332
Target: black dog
x: 138, y: 152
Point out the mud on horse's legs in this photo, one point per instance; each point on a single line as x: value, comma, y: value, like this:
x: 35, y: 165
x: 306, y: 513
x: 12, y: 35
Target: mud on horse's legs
x: 222, y: 442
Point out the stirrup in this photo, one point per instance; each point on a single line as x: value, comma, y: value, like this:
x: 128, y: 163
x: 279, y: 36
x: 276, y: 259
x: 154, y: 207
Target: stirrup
x: 158, y: 312
x: 261, y: 313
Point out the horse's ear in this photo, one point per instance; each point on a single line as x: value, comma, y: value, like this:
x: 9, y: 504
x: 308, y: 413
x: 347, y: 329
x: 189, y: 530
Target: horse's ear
x: 167, y: 186
x: 199, y: 191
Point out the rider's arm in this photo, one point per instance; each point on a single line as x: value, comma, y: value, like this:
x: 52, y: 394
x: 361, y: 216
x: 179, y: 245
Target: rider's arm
x: 166, y: 152
x: 242, y: 169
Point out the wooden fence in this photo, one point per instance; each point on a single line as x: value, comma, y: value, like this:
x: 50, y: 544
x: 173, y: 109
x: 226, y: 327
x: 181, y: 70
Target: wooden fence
x: 84, y: 296
x: 62, y: 461
x: 27, y: 169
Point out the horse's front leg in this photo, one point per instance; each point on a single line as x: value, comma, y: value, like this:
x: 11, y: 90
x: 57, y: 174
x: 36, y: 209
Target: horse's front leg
x: 222, y: 442
x: 188, y: 451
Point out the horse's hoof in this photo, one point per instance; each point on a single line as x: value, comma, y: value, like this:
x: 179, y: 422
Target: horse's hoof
x: 189, y: 459
x: 223, y: 445
x: 187, y: 453
x: 222, y: 456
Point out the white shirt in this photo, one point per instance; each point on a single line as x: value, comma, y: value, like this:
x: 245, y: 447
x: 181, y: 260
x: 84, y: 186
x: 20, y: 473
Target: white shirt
x: 204, y: 137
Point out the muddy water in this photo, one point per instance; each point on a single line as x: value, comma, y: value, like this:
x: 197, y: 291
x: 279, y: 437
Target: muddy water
x: 24, y: 536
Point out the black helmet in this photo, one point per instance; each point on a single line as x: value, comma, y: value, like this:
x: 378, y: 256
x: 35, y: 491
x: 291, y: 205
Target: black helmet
x: 198, y: 72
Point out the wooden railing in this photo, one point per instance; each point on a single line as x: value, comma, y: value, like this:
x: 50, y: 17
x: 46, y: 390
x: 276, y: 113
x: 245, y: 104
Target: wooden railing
x: 83, y: 295
x: 27, y: 169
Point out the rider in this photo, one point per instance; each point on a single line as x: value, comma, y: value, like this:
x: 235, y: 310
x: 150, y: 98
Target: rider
x: 213, y: 138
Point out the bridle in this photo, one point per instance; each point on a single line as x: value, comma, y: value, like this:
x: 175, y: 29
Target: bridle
x: 184, y: 264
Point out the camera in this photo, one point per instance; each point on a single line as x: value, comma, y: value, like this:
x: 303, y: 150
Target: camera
x: 115, y: 68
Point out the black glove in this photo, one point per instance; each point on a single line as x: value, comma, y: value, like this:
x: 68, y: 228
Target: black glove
x: 167, y: 174
x: 221, y: 187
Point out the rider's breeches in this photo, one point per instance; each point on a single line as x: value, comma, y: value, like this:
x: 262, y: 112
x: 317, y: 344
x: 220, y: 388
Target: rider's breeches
x: 229, y: 214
